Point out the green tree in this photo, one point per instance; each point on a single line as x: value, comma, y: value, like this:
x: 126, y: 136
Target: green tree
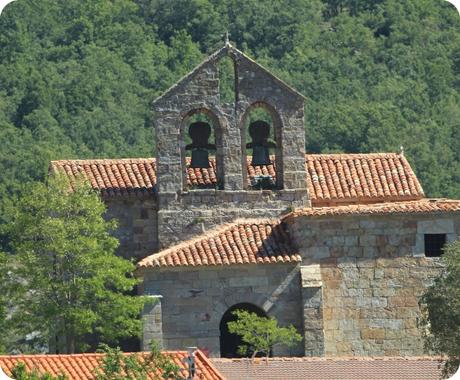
x: 20, y: 372
x: 441, y: 304
x: 3, y: 302
x: 260, y: 334
x: 64, y: 278
x: 118, y: 366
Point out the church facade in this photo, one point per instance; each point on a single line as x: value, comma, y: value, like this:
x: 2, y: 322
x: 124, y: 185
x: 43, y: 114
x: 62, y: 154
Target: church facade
x: 232, y: 213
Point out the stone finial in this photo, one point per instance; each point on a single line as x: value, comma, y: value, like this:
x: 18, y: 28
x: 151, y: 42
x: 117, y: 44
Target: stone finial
x: 401, y: 150
x: 227, y: 41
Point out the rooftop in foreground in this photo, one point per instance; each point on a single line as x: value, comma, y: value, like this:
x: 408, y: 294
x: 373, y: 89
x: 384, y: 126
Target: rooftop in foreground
x: 354, y: 368
x: 84, y: 366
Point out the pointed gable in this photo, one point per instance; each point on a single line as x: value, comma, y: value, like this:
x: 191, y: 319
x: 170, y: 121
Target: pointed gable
x: 201, y: 73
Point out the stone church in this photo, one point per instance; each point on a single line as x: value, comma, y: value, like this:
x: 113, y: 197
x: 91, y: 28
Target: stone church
x: 233, y: 214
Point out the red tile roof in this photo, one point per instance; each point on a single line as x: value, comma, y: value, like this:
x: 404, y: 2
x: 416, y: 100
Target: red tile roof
x: 422, y: 206
x: 382, y: 368
x: 242, y: 242
x: 83, y: 366
x: 331, y: 178
x: 361, y: 177
x: 113, y: 177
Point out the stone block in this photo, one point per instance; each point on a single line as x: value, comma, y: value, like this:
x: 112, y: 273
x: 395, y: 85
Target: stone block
x: 391, y: 324
x: 318, y: 252
x: 435, y: 226
x: 367, y: 241
x: 311, y: 276
x: 351, y: 241
x: 402, y: 301
x: 373, y: 333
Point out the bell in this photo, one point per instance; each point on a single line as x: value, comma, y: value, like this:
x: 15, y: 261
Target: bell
x: 260, y: 155
x: 200, y: 159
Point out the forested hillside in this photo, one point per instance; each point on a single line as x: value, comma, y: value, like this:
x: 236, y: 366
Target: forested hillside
x: 77, y: 76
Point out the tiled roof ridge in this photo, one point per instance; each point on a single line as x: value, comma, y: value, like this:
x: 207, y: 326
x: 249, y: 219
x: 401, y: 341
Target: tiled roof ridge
x: 208, y: 362
x: 307, y: 155
x: 212, y: 233
x: 134, y: 160
x: 329, y: 359
x: 426, y: 205
x: 353, y: 155
x: 86, y: 354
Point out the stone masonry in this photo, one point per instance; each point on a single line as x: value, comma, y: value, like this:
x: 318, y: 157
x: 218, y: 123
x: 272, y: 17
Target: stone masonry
x: 184, y: 212
x: 137, y: 225
x: 193, y: 301
x: 372, y: 278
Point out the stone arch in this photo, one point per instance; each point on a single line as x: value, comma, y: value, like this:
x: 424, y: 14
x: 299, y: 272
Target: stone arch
x: 218, y: 125
x: 229, y: 343
x: 277, y: 125
x: 233, y: 298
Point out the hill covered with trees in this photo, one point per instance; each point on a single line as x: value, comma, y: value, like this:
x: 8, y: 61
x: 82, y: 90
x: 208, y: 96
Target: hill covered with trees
x: 77, y: 76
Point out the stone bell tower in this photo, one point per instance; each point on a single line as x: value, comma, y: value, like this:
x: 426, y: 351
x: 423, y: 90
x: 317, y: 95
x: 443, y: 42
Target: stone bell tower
x: 185, y: 210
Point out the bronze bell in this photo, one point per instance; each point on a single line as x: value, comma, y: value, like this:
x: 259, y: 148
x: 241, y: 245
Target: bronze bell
x: 200, y: 158
x: 200, y: 132
x: 260, y: 156
x: 260, y: 132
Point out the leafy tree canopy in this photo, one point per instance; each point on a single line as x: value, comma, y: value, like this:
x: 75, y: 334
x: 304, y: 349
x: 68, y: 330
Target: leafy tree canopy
x: 3, y: 303
x: 20, y: 372
x: 64, y: 279
x: 441, y: 304
x: 155, y: 366
x: 261, y: 334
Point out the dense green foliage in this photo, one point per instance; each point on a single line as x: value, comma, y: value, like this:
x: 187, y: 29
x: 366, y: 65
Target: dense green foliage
x: 442, y: 310
x: 20, y: 372
x: 64, y: 279
x: 77, y: 76
x: 155, y: 366
x: 3, y: 304
x: 261, y: 334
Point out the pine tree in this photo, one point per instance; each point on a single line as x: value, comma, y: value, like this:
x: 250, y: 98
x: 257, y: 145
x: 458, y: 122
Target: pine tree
x: 65, y: 280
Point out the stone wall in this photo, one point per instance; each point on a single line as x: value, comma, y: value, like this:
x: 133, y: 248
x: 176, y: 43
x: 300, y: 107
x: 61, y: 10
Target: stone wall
x: 188, y: 214
x: 193, y: 302
x: 137, y: 229
x: 372, y: 277
x: 256, y: 85
x: 185, y: 213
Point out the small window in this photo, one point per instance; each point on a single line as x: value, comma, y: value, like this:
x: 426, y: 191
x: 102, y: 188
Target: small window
x: 434, y: 244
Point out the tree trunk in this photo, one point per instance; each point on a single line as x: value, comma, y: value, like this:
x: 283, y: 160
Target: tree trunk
x: 70, y: 343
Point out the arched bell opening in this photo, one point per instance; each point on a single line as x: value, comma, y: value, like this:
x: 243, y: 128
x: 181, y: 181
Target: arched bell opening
x: 201, y: 149
x: 262, y: 148
x: 229, y: 343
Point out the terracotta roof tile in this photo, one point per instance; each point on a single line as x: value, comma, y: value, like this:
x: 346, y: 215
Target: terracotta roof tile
x: 119, y: 177
x: 421, y: 206
x: 331, y: 178
x: 242, y: 242
x: 382, y: 368
x: 83, y: 366
x: 335, y: 178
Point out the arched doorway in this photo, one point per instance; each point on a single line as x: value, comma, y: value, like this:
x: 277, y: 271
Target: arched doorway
x: 229, y: 342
